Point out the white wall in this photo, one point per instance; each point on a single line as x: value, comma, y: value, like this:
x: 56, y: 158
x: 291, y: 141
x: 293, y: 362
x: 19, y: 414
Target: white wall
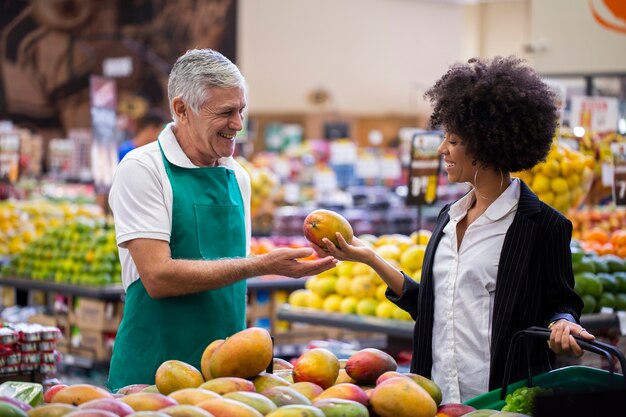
x: 574, y: 42
x: 373, y: 56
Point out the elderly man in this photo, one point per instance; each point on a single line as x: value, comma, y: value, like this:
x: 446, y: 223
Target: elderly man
x: 181, y: 209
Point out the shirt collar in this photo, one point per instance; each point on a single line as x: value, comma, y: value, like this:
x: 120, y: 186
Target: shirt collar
x: 506, y: 202
x: 174, y: 153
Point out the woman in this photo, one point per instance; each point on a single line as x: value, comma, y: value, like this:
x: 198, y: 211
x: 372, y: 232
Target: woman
x: 499, y: 259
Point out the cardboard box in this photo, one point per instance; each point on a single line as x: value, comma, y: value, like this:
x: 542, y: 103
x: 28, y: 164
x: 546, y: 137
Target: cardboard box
x: 98, y: 315
x: 43, y: 319
x: 94, y: 344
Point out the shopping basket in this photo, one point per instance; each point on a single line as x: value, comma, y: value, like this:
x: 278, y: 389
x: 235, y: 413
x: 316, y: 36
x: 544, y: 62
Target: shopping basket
x: 572, y: 378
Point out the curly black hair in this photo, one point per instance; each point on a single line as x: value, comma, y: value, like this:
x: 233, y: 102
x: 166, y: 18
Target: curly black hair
x: 500, y: 108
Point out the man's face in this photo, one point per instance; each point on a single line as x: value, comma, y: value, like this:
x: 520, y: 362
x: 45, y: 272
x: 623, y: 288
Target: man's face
x: 214, y: 127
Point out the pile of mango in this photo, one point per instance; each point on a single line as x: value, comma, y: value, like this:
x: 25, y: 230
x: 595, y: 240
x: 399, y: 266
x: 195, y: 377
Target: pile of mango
x: 79, y: 252
x: 563, y: 179
x: 355, y: 288
x: 600, y: 280
x: 233, y: 380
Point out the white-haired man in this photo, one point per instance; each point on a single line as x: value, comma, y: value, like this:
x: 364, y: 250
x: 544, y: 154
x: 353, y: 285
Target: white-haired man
x: 181, y: 209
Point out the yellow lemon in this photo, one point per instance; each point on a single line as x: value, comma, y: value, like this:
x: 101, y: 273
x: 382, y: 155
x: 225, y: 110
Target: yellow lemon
x: 559, y: 185
x: 399, y: 314
x: 344, y: 268
x: 551, y: 168
x: 366, y: 307
x: 525, y: 176
x: 562, y: 202
x: 332, y: 303
x: 412, y: 258
x: 348, y: 305
x: 567, y: 167
x: 315, y: 301
x: 380, y: 292
x: 389, y: 251
x: 573, y: 180
x: 299, y: 298
x: 362, y: 269
x: 540, y: 184
x: 385, y: 309
x: 324, y: 286
x: 363, y: 286
x: 342, y: 286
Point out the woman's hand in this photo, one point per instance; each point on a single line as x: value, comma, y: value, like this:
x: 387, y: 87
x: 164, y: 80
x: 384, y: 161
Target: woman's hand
x: 356, y: 250
x: 562, y: 337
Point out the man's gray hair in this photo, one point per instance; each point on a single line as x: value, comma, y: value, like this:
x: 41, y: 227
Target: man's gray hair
x: 198, y: 70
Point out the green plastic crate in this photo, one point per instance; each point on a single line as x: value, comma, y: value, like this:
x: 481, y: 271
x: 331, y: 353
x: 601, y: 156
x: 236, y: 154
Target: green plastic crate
x: 574, y: 378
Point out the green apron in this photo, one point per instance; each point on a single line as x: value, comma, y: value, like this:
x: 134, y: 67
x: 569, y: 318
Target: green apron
x: 207, y: 223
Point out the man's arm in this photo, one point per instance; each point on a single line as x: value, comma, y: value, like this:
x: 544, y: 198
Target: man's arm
x: 163, y: 276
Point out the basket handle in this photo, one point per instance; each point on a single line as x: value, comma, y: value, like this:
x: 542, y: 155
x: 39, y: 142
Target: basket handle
x: 600, y: 348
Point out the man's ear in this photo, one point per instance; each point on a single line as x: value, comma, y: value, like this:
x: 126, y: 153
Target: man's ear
x: 181, y: 111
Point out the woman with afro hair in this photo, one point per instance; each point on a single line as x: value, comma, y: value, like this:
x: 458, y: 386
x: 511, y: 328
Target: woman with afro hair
x: 499, y: 259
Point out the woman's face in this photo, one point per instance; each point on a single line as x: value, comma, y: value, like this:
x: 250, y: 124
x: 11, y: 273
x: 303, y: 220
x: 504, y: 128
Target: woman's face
x: 457, y: 162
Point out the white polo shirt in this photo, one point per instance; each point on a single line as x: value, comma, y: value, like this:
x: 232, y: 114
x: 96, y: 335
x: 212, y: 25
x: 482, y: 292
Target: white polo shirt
x: 464, y: 288
x: 141, y: 196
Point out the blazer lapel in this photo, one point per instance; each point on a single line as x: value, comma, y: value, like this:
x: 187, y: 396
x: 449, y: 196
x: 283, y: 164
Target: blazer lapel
x: 514, y: 259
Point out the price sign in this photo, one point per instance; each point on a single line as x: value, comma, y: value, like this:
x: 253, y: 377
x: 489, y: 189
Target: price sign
x: 424, y: 168
x: 619, y: 173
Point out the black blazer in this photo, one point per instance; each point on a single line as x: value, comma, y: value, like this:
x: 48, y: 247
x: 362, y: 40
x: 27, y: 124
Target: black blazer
x: 535, y: 285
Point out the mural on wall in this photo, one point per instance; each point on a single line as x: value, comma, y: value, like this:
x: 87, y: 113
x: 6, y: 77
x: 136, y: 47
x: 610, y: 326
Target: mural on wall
x: 49, y: 49
x: 610, y: 14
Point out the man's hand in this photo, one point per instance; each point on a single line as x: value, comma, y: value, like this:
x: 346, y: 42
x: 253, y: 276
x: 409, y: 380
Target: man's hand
x: 290, y: 263
x: 562, y: 337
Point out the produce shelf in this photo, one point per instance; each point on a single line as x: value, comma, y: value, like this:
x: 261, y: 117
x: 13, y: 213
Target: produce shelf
x: 594, y: 323
x: 108, y: 292
x: 275, y: 283
x: 396, y: 328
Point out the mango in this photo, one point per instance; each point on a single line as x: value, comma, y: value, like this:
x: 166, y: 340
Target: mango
x: 173, y: 375
x: 223, y: 407
x: 130, y: 389
x: 430, y: 386
x: 337, y: 407
x: 228, y: 384
x: 51, y: 392
x: 279, y: 363
x: 454, y: 410
x: 297, y: 411
x: 148, y: 414
x: 366, y: 365
x: 147, y: 401
x: 10, y: 410
x: 286, y: 374
x: 80, y: 393
x: 308, y: 389
x: 108, y: 404
x: 193, y: 396
x: 245, y: 354
x: 317, y: 365
x: 264, y: 381
x: 205, y: 361
x: 185, y: 411
x: 92, y: 413
x: 343, y: 377
x: 255, y: 400
x: 321, y: 224
x: 285, y: 396
x: 345, y: 391
x: 401, y: 397
x: 51, y: 410
x: 151, y: 388
x: 482, y: 413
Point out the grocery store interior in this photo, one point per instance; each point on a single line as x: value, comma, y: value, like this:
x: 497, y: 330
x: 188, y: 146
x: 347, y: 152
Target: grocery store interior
x: 335, y: 107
